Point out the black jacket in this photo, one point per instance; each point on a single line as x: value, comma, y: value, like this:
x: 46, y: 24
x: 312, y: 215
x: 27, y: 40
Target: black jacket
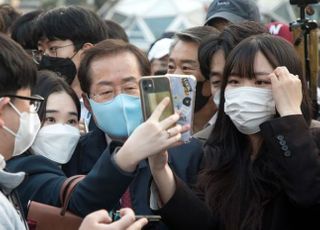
x: 295, y: 152
x: 185, y: 161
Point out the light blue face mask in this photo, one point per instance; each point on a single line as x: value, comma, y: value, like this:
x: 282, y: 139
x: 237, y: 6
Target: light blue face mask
x: 118, y: 117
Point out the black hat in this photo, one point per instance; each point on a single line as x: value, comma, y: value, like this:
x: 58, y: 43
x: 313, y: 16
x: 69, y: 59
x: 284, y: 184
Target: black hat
x: 234, y: 11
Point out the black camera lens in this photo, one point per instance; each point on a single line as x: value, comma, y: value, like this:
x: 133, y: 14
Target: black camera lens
x: 147, y: 84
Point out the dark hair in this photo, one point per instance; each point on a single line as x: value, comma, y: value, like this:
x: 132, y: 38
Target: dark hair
x: 8, y: 15
x: 226, y: 41
x: 115, y: 31
x: 235, y: 187
x: 105, y: 48
x: 194, y: 34
x: 49, y: 82
x: 17, y: 70
x: 74, y: 23
x: 24, y: 30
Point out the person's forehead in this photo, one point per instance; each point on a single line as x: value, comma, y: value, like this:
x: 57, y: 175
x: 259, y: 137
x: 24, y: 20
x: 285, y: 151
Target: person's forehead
x: 185, y: 50
x: 114, y: 67
x: 61, y: 101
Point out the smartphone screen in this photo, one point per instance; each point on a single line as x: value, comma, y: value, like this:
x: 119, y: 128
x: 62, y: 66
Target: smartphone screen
x: 153, y: 90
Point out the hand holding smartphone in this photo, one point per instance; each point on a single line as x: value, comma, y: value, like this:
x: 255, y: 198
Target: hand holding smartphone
x: 181, y: 89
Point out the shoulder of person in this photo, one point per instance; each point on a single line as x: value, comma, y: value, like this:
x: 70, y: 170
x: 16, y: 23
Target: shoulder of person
x: 31, y: 163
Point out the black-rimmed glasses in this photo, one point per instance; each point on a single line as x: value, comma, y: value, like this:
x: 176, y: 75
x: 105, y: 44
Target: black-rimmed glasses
x: 35, y: 100
x: 52, y: 51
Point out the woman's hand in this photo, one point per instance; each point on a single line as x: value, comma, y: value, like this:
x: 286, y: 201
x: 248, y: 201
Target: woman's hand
x: 100, y: 220
x: 150, y: 138
x: 287, y: 91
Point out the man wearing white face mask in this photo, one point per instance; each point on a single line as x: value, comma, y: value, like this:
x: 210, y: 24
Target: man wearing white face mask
x: 19, y: 125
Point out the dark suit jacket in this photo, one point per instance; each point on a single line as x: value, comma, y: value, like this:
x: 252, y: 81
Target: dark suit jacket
x: 294, y: 148
x: 185, y: 160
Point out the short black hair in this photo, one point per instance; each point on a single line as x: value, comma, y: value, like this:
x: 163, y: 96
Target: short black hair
x: 49, y: 82
x: 17, y: 70
x: 231, y: 36
x: 24, y: 30
x: 75, y: 23
x: 115, y: 31
x: 107, y: 48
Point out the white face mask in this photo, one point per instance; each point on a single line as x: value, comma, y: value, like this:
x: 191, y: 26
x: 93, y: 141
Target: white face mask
x: 56, y: 142
x: 28, y: 129
x: 248, y: 107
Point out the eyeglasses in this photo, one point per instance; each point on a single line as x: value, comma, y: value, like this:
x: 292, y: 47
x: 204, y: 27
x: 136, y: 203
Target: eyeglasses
x: 35, y: 101
x: 109, y: 93
x: 52, y: 51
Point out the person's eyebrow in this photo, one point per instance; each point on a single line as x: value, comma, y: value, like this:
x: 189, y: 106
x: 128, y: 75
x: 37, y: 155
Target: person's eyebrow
x: 51, y: 111
x: 129, y: 79
x: 104, y: 82
x: 187, y: 61
x: 56, y: 111
x: 73, y: 113
x: 259, y: 73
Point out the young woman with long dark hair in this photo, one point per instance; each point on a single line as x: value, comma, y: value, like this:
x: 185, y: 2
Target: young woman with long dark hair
x: 261, y: 166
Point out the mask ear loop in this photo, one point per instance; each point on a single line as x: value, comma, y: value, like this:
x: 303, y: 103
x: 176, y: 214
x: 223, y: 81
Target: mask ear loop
x: 5, y: 127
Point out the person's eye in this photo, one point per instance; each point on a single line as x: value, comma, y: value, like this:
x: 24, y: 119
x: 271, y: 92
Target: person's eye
x: 187, y: 68
x: 105, y: 92
x: 233, y: 81
x: 216, y: 83
x: 50, y: 120
x: 72, y: 122
x: 171, y: 68
x: 53, y: 49
x: 262, y: 82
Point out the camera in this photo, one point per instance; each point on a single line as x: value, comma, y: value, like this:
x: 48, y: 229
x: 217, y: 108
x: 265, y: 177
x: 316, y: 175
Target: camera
x: 147, y: 84
x: 303, y: 2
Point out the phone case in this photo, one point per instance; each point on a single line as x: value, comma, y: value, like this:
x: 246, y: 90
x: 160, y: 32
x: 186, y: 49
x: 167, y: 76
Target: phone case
x: 183, y: 90
x: 153, y: 90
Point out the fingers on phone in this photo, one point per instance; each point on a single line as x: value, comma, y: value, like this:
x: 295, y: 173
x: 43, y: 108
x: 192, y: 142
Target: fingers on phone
x: 160, y: 109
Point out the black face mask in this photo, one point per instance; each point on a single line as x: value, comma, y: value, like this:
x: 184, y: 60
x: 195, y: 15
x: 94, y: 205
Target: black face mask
x: 64, y: 67
x: 201, y: 100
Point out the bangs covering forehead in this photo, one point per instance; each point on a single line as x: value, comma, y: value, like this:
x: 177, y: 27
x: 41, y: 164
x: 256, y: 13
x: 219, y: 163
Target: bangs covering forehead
x: 240, y: 62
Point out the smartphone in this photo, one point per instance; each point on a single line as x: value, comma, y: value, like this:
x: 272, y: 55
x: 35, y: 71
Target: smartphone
x: 153, y: 89
x: 115, y: 215
x: 150, y: 218
x: 183, y: 91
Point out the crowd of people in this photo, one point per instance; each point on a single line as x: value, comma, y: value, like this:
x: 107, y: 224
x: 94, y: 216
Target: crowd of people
x: 70, y: 105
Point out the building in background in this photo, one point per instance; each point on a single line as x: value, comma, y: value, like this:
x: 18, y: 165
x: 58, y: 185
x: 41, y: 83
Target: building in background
x: 145, y: 21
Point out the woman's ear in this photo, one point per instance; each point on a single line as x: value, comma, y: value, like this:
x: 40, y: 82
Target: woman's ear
x: 87, y: 45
